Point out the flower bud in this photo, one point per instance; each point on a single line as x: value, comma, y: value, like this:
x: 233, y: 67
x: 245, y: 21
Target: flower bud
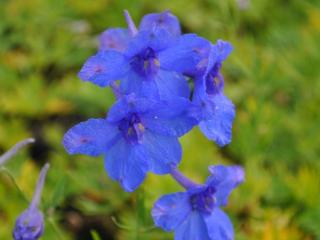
x: 30, y: 224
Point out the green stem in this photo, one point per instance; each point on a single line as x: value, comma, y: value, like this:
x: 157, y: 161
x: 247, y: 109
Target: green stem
x: 147, y: 229
x: 140, y: 213
x: 121, y: 226
x: 55, y: 228
x: 9, y: 174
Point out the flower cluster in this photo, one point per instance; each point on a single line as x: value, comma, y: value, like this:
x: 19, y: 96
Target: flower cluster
x: 165, y: 83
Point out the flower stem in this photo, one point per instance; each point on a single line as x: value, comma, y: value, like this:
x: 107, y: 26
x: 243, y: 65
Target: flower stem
x: 56, y: 228
x: 9, y: 174
x: 182, y: 180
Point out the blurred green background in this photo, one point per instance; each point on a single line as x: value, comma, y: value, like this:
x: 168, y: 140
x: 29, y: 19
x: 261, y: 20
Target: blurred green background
x: 273, y: 77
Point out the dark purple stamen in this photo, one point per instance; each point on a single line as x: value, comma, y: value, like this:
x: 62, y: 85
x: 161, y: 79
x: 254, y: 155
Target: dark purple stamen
x: 203, y: 201
x: 146, y: 63
x: 132, y: 129
x: 214, y: 80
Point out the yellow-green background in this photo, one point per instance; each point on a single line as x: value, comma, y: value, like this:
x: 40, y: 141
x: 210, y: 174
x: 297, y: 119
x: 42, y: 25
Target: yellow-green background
x: 273, y: 77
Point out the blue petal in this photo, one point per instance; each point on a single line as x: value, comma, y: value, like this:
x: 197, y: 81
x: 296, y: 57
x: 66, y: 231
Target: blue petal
x: 185, y: 55
x: 104, y: 68
x: 193, y: 228
x: 114, y: 38
x: 170, y: 118
x: 163, y: 152
x: 172, y: 84
x: 177, y: 126
x: 223, y: 50
x: 164, y: 20
x: 129, y: 104
x: 92, y: 137
x: 170, y: 108
x: 224, y: 180
x: 140, y: 86
x: 200, y: 99
x: 219, y: 226
x: 218, y: 115
x: 119, y: 110
x: 127, y: 164
x: 170, y: 210
x: 218, y: 53
x: 158, y: 40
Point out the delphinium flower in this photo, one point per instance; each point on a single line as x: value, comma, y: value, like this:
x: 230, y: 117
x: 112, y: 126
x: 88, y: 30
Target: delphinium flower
x: 215, y: 111
x: 7, y: 155
x: 195, y: 214
x: 138, y: 135
x: 30, y: 224
x: 155, y: 64
x: 137, y: 57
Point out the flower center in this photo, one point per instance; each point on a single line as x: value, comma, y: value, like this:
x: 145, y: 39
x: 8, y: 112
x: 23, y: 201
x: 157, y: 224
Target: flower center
x: 132, y: 129
x: 146, y: 63
x: 203, y: 201
x: 214, y: 80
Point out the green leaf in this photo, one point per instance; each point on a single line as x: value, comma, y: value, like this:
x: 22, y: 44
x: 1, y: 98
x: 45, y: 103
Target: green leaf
x: 95, y: 235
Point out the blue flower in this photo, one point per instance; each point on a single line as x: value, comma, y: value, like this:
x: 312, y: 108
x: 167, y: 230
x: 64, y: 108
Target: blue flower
x: 139, y: 135
x: 212, y: 77
x: 30, y: 224
x: 196, y: 214
x: 215, y: 111
x: 142, y: 61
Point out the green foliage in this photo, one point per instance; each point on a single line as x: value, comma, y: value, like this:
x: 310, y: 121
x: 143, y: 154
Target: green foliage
x: 272, y: 76
x: 95, y: 235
